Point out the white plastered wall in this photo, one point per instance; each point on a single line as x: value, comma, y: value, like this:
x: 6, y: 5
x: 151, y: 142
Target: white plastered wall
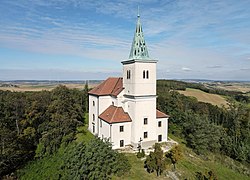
x: 163, y: 130
x: 136, y: 85
x: 104, y: 130
x: 112, y: 132
x: 101, y: 104
x: 117, y: 135
x: 138, y: 110
x: 93, y: 110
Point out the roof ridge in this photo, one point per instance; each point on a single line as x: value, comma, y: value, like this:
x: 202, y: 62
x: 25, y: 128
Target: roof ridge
x: 114, y: 112
x: 115, y: 86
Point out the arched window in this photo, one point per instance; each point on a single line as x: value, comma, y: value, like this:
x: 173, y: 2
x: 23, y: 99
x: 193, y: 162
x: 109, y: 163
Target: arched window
x: 93, y: 117
x: 93, y: 103
x: 147, y: 75
x: 144, y: 75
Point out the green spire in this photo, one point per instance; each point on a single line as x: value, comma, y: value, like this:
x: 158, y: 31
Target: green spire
x: 139, y: 48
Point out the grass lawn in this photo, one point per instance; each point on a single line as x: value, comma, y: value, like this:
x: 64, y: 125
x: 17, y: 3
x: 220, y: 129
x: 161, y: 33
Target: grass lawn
x: 83, y: 134
x: 45, y: 168
x: 191, y: 163
x: 185, y: 168
x: 137, y: 171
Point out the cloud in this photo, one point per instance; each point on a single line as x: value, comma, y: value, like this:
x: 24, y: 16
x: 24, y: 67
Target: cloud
x: 186, y: 69
x: 215, y: 66
x: 180, y: 34
x: 78, y: 42
x: 54, y: 74
x: 245, y: 69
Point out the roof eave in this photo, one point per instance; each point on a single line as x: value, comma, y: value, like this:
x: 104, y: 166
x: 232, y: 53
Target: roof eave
x: 114, y: 122
x: 130, y: 61
x: 162, y: 117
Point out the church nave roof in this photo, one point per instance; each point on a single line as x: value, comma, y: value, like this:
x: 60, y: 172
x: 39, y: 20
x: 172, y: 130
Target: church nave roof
x: 111, y: 86
x: 114, y: 114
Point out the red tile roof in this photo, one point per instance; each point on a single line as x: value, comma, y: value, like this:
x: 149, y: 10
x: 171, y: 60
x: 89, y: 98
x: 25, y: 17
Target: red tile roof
x: 111, y: 86
x: 160, y: 114
x: 115, y: 114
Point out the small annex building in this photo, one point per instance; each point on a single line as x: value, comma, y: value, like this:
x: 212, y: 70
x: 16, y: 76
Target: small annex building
x: 123, y: 109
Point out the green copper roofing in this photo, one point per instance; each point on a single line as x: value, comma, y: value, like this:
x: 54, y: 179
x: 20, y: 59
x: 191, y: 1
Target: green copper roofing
x: 138, y: 48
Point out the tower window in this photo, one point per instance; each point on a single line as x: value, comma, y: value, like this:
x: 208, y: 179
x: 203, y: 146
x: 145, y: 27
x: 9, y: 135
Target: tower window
x: 100, y: 123
x: 145, y: 121
x: 128, y: 74
x: 145, y: 135
x: 93, y: 117
x: 147, y: 74
x: 93, y: 103
x: 93, y: 128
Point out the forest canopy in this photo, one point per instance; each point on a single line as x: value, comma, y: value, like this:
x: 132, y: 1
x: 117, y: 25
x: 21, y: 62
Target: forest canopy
x: 206, y: 127
x: 36, y: 124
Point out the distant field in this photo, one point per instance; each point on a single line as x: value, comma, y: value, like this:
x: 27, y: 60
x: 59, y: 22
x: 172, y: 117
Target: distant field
x: 237, y: 86
x: 40, y: 87
x: 205, y: 97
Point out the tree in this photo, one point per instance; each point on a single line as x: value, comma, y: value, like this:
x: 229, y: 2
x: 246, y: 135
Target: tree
x: 94, y: 160
x: 85, y: 100
x: 150, y: 163
x: 65, y: 115
x: 207, y: 127
x: 202, y: 135
x: 175, y: 154
x: 210, y: 175
x: 38, y: 122
x: 140, y: 154
x: 122, y: 165
x: 155, y: 161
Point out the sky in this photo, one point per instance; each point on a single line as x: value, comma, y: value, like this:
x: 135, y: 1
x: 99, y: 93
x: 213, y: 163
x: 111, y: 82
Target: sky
x: 88, y: 39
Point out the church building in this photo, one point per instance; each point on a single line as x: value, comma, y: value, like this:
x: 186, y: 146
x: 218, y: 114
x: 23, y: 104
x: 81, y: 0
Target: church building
x: 123, y: 109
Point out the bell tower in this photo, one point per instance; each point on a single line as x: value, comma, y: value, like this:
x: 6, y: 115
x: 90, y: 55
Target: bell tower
x: 139, y: 71
x: 139, y: 83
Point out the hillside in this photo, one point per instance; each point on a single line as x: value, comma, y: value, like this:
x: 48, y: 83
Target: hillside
x: 49, y: 125
x: 189, y: 165
x: 223, y: 167
x: 202, y: 96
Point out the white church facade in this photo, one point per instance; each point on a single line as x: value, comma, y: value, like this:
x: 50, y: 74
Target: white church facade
x: 123, y: 109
